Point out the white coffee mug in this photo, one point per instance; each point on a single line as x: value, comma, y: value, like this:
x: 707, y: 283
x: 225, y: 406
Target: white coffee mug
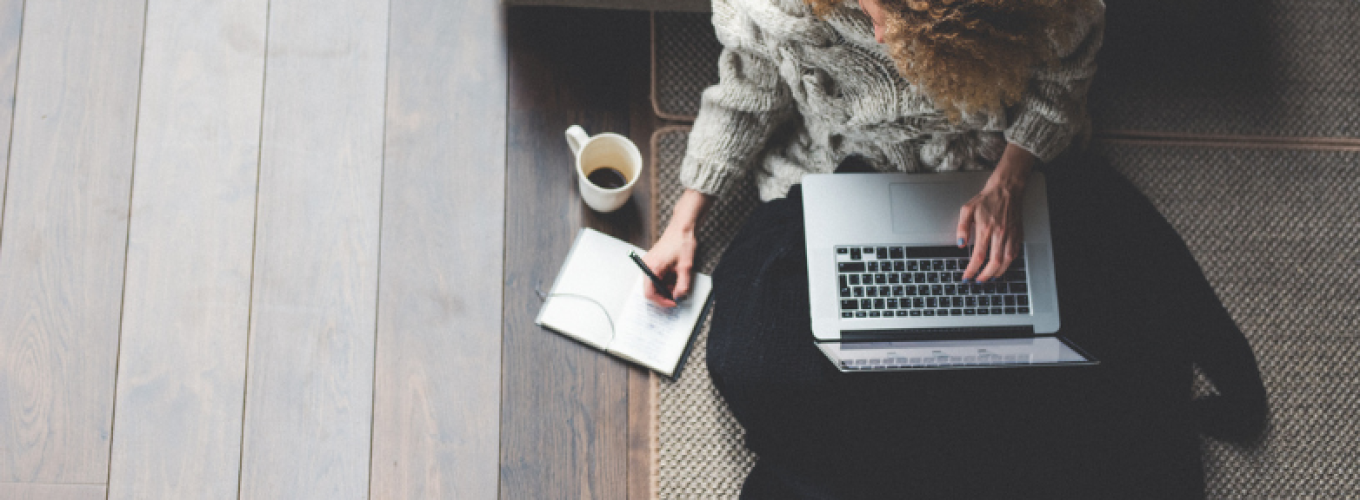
x: 600, y: 152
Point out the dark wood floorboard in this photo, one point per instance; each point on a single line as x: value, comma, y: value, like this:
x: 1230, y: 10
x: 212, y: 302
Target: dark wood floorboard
x: 564, y: 410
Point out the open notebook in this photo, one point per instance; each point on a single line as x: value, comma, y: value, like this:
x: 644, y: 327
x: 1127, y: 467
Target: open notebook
x: 598, y: 300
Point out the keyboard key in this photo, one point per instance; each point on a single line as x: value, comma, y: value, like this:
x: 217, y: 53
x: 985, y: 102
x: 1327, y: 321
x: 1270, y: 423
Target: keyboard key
x: 970, y: 301
x: 870, y: 291
x: 873, y: 314
x: 958, y: 301
x: 892, y: 279
x: 923, y: 289
x: 883, y: 291
x: 951, y: 265
x: 937, y: 265
x: 878, y: 303
x: 936, y: 289
x: 1010, y: 301
x: 909, y: 290
x: 859, y: 291
x: 897, y: 291
x: 850, y: 267
x: 912, y: 266
x: 899, y: 266
x: 861, y: 314
x: 956, y: 312
x: 869, y: 250
x: 1019, y: 288
x: 854, y: 254
x: 901, y: 313
x: 984, y: 301
x: 896, y: 252
x: 913, y: 313
x: 969, y: 312
x: 1023, y: 310
x: 1010, y: 310
x: 997, y: 310
x: 918, y: 278
x: 847, y: 314
x: 958, y: 276
x: 932, y: 277
x: 930, y: 302
x: 866, y: 303
x: 843, y: 250
x: 854, y: 279
x: 845, y: 291
x: 850, y: 305
x: 918, y: 303
x: 949, y: 289
x: 892, y: 303
x: 989, y: 288
x: 1022, y: 300
x: 1001, y: 288
x: 872, y: 267
x: 928, y: 312
x: 880, y: 279
x: 982, y: 311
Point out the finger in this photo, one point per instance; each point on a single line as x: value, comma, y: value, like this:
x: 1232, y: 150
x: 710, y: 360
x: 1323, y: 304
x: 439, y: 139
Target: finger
x: 683, y: 275
x: 650, y: 291
x: 998, y: 260
x: 965, y: 224
x: 979, y: 252
x: 648, y: 287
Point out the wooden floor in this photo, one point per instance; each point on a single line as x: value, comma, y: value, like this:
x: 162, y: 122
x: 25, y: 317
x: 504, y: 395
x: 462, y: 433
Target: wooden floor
x: 288, y: 249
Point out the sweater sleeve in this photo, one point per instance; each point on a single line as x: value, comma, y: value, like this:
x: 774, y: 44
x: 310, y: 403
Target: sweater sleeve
x: 1053, y: 110
x: 736, y: 116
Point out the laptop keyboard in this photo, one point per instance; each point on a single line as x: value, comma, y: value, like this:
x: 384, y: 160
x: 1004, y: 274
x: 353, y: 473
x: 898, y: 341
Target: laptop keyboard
x: 895, y: 281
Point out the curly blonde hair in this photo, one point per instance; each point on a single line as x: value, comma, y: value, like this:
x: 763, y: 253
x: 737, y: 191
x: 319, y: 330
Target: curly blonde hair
x: 972, y: 56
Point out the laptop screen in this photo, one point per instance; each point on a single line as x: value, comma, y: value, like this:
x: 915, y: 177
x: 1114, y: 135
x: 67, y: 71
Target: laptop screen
x: 954, y: 354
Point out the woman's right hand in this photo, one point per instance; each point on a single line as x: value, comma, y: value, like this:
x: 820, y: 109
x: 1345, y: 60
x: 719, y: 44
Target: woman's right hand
x: 672, y: 258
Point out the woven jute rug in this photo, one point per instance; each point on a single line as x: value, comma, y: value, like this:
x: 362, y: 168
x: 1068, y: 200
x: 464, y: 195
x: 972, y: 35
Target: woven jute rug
x: 684, y: 62
x: 1273, y: 68
x: 1277, y: 233
x: 1241, y: 122
x: 700, y: 452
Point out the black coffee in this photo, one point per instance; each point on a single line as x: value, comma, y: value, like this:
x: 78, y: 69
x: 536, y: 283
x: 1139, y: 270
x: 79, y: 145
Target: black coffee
x: 607, y: 177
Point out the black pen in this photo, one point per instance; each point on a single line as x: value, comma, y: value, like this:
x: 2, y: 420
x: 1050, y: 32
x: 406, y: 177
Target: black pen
x: 660, y: 287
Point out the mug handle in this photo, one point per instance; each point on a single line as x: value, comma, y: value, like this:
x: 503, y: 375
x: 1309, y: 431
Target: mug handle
x: 576, y: 137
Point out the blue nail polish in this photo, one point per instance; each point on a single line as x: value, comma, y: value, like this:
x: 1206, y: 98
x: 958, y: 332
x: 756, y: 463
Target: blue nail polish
x: 960, y: 241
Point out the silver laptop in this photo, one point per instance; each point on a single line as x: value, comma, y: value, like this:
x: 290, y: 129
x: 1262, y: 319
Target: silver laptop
x: 885, y: 278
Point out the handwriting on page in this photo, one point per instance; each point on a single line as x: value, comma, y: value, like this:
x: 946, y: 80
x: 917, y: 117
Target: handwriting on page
x: 650, y: 333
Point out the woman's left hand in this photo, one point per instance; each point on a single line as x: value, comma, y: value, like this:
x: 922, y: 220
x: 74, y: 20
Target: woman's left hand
x: 991, y: 221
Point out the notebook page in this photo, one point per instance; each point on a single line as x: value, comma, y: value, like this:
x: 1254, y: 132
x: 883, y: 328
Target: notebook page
x: 591, y: 288
x: 656, y: 336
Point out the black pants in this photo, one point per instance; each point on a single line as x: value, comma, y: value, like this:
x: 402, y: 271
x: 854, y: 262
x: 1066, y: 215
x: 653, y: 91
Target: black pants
x: 1129, y: 292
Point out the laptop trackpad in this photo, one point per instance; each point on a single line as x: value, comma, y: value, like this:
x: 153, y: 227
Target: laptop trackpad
x: 927, y: 207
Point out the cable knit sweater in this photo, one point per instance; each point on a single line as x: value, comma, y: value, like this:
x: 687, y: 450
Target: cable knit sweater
x: 798, y: 94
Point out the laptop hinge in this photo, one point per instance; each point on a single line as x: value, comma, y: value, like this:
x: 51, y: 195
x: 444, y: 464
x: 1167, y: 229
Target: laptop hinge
x: 977, y: 332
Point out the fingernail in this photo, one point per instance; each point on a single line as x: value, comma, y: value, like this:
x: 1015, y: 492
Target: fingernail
x: 960, y: 241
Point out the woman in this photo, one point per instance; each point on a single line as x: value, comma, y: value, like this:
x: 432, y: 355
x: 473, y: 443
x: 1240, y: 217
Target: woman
x: 904, y: 85
x: 884, y: 85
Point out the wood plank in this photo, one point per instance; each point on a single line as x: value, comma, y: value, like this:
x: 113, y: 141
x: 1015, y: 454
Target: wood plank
x: 642, y: 450
x: 40, y: 491
x: 11, y: 25
x: 436, y: 422
x: 181, y: 371
x: 565, y: 406
x: 65, y: 234
x: 309, y: 388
